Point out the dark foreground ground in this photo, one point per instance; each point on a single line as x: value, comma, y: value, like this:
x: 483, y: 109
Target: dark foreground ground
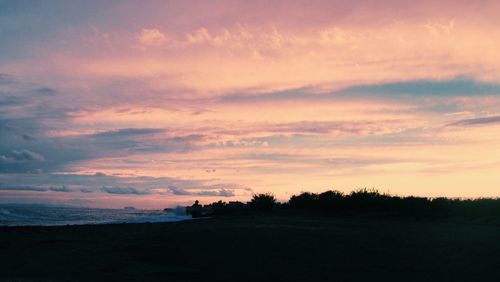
x: 255, y: 249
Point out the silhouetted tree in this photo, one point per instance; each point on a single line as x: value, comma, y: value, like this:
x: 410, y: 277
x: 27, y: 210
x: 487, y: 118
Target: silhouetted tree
x: 331, y: 201
x: 305, y: 200
x: 263, y: 202
x: 223, y: 208
x: 367, y: 200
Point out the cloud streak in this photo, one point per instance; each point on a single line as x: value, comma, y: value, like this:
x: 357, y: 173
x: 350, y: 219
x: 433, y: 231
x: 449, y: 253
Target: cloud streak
x: 439, y: 88
x: 477, y: 121
x: 211, y: 193
x: 23, y: 188
x: 126, y: 132
x: 124, y: 191
x: 63, y: 189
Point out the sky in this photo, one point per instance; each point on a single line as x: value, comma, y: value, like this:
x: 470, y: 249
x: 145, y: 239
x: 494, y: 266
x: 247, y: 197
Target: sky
x: 158, y: 103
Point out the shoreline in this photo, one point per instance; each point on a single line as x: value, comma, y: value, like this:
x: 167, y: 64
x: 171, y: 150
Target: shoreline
x: 131, y: 221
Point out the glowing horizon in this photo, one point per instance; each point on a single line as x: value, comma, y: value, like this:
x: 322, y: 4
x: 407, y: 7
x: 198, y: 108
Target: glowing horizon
x: 160, y: 103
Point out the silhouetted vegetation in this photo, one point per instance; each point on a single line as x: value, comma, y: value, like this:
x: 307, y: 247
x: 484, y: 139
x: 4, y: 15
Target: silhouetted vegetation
x: 362, y: 201
x: 196, y: 209
x: 263, y: 202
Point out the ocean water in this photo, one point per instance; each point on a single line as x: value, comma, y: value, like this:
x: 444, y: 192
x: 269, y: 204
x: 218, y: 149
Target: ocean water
x: 39, y: 215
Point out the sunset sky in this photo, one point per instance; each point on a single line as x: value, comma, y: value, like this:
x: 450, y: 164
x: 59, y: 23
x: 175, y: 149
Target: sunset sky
x: 158, y: 103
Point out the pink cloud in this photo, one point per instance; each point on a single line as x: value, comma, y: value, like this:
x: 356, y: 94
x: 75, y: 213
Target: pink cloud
x: 152, y: 37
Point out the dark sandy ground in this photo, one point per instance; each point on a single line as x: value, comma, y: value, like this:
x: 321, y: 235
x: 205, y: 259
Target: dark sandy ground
x: 255, y: 249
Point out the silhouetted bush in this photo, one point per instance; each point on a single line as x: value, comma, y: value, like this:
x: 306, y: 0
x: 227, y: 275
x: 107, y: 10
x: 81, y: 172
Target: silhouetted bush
x: 305, y: 200
x: 331, y: 201
x: 223, y: 208
x: 367, y: 200
x: 362, y: 201
x: 263, y: 202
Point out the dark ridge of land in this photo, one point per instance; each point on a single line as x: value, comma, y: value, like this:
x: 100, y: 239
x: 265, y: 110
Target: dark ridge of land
x: 256, y: 248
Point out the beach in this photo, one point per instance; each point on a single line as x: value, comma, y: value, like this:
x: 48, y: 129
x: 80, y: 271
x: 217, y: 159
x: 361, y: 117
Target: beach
x: 255, y: 248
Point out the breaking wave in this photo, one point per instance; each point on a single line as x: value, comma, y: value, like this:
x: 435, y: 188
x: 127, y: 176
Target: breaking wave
x: 34, y: 215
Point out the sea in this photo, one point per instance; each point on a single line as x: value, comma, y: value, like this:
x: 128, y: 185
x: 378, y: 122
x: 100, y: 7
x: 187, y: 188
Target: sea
x: 42, y: 215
